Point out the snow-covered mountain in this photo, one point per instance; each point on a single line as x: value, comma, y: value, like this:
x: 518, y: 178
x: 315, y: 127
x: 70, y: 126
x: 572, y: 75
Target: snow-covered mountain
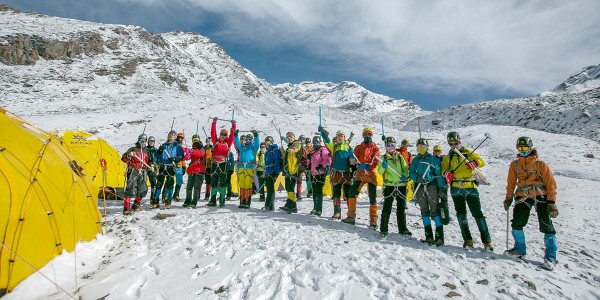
x: 65, y: 66
x: 348, y: 96
x: 576, y: 114
x: 587, y: 79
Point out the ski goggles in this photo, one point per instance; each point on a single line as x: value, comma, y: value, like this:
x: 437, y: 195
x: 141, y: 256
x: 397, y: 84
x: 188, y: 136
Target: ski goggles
x: 289, y: 137
x: 453, y: 143
x: 195, y: 140
x: 523, y: 148
x: 263, y: 147
x: 391, y: 145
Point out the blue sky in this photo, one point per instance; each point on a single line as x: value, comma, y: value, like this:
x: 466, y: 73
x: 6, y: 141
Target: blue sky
x: 436, y: 53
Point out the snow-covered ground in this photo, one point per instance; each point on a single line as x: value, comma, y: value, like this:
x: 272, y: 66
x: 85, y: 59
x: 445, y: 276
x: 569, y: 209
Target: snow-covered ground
x: 210, y: 253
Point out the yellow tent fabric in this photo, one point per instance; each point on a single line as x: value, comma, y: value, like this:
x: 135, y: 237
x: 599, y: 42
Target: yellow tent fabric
x: 90, y: 150
x: 46, y: 205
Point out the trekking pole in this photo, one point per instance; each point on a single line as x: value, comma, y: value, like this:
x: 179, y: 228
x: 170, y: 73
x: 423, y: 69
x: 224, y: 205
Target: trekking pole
x: 144, y: 131
x: 204, y: 129
x: 507, y: 217
x: 419, y: 123
x: 320, y: 121
x: 172, y: 124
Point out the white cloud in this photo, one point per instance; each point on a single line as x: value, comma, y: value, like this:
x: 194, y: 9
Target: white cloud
x: 471, y: 45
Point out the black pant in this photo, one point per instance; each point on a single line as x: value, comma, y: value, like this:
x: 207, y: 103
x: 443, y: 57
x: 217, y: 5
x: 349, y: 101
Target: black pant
x: 270, y: 183
x: 219, y: 175
x: 290, y: 184
x: 318, y: 181
x: 136, y: 183
x: 194, y: 184
x: 228, y: 178
x: 522, y: 211
x: 168, y: 173
x: 391, y: 193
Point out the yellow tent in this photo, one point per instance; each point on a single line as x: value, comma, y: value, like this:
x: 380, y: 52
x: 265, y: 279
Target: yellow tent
x: 46, y: 204
x: 90, y: 151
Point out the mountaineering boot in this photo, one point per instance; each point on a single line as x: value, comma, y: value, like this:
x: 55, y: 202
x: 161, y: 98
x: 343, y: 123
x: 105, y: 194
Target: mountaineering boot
x: 439, y: 236
x: 520, y: 248
x: 428, y: 235
x: 488, y: 247
x: 176, y: 193
x: 261, y: 198
x: 137, y: 205
x: 550, y: 253
x: 213, y: 200
x: 164, y: 196
x: 222, y: 193
x: 468, y: 244
x: 126, y: 206
x: 337, y: 209
x: 383, y: 235
x: 269, y: 202
x: 287, y: 206
x: 293, y: 208
x: 351, y: 211
x: 248, y: 199
x: 373, y: 225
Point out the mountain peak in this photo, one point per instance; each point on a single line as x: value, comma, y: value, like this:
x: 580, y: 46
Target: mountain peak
x: 587, y: 79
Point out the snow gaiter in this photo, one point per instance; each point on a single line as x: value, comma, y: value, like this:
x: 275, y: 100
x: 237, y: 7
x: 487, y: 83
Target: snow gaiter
x: 551, y: 246
x: 483, y: 230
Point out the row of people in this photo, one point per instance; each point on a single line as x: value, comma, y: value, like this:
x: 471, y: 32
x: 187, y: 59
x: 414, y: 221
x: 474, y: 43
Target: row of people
x: 350, y: 168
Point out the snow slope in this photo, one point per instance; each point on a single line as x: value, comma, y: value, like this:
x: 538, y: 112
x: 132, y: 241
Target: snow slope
x: 587, y: 79
x: 211, y: 253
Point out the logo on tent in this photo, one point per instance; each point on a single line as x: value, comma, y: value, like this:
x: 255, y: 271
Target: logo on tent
x: 79, y: 140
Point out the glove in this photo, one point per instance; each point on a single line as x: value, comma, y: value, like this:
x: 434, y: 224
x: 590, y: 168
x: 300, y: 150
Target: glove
x: 403, y: 178
x: 254, y: 133
x: 320, y: 128
x: 309, y: 156
x: 383, y: 138
x: 160, y: 149
x: 507, y: 202
x: 151, y: 169
x: 421, y: 180
x: 363, y: 167
x: 233, y: 122
x: 235, y: 133
x: 449, y: 176
x: 442, y: 194
x: 173, y: 159
x: 320, y: 168
x: 384, y: 165
x: 183, y: 169
x: 325, y: 133
x: 552, y: 210
x: 215, y: 119
x: 472, y: 165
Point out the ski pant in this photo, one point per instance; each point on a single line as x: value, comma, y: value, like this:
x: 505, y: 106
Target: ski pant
x: 469, y: 196
x: 178, y: 176
x: 219, y: 175
x: 341, y: 182
x: 522, y: 210
x: 318, y: 182
x: 290, y: 186
x: 165, y: 176
x: 427, y: 197
x: 193, y: 188
x: 207, y: 181
x: 136, y: 183
x: 229, y: 187
x: 391, y: 193
x: 245, y: 178
x: 270, y: 183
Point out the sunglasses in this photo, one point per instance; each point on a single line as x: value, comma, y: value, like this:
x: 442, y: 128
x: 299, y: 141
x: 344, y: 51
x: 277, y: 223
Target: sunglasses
x: 523, y: 148
x: 391, y: 145
x: 367, y: 135
x: 422, y: 146
x: 453, y: 143
x: 289, y: 137
x: 223, y: 134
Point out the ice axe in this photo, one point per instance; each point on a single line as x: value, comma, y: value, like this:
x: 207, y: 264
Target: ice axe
x: 487, y: 136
